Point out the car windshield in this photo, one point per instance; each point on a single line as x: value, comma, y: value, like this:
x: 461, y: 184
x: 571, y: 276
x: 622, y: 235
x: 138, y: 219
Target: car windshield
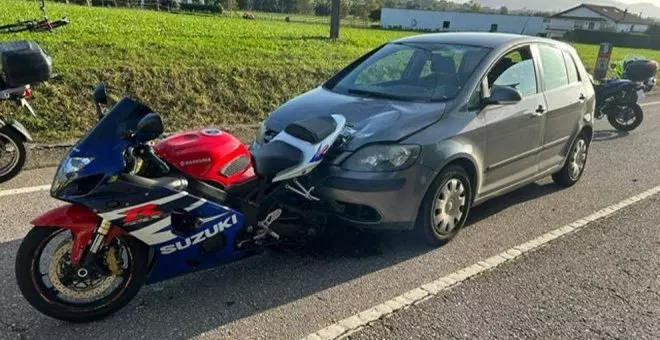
x: 412, y: 72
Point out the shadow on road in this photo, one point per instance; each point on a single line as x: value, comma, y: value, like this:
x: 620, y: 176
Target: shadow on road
x: 187, y: 306
x: 604, y: 135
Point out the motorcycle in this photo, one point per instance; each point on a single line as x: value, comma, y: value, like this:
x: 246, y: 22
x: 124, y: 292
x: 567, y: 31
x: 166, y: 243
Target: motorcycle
x: 141, y: 211
x: 23, y: 63
x: 617, y: 99
x: 13, y: 135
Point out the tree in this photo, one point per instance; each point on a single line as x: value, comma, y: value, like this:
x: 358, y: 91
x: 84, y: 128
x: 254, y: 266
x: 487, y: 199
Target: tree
x: 244, y: 5
x: 504, y: 10
x: 322, y: 8
x: 375, y: 15
x: 653, y: 29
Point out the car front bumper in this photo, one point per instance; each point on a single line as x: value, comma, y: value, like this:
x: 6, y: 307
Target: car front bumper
x: 375, y: 200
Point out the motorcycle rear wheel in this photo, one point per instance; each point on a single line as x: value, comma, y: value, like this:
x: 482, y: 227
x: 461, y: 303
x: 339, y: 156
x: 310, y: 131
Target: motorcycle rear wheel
x: 13, y: 150
x: 626, y: 117
x: 61, y: 291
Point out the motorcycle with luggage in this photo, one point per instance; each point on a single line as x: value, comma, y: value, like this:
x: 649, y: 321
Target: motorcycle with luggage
x: 23, y: 63
x: 142, y: 211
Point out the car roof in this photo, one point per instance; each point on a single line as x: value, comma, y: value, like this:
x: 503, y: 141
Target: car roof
x: 486, y: 39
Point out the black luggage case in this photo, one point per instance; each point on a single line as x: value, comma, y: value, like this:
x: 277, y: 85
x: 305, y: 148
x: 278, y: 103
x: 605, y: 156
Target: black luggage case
x: 24, y: 62
x: 640, y: 70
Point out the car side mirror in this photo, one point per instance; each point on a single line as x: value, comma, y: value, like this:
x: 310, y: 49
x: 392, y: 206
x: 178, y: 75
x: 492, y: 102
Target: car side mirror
x: 503, y: 96
x: 149, y: 127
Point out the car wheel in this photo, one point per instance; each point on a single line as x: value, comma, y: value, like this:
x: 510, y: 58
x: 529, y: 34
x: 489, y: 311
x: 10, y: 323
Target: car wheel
x: 445, y: 206
x: 575, y: 163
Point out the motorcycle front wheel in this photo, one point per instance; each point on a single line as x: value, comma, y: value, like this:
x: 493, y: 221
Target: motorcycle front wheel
x: 12, y: 154
x: 56, y: 288
x: 626, y: 117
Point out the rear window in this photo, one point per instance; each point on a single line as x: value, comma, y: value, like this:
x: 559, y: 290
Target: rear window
x: 573, y: 74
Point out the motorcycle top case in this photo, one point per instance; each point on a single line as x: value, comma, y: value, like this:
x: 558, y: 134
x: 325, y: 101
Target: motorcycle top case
x: 24, y: 62
x: 641, y: 70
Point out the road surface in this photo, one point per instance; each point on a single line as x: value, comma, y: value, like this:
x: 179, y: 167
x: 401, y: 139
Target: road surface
x: 288, y: 297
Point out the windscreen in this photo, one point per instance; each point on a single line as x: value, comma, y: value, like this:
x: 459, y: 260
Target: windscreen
x: 124, y: 116
x: 410, y: 72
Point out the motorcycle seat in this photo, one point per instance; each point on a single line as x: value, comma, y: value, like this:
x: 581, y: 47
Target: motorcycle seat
x: 312, y: 130
x: 274, y: 157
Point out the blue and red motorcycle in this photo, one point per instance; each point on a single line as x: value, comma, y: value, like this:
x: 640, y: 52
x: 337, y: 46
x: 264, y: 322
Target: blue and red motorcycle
x: 141, y: 212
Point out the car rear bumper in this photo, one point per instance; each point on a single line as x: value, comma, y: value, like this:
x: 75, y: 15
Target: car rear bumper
x: 385, y: 200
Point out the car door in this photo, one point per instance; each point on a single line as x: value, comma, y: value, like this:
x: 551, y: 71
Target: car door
x: 513, y: 132
x: 564, y: 92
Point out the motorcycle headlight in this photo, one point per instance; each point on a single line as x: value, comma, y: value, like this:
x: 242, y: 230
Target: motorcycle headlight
x: 68, y: 170
x: 380, y: 158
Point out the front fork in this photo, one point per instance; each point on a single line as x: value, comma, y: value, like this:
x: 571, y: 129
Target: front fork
x: 98, y: 239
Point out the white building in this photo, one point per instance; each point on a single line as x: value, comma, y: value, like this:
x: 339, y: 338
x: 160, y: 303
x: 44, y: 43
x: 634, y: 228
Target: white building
x: 594, y: 17
x: 460, y: 21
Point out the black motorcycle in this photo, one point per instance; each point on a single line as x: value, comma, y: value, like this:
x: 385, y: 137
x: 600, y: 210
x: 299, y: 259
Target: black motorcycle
x: 23, y: 63
x: 618, y: 100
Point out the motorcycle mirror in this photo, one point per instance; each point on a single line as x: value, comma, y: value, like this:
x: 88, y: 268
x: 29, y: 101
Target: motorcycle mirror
x: 100, y: 94
x: 149, y: 127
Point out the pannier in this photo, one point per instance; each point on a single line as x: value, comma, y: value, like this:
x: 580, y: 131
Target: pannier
x: 24, y: 62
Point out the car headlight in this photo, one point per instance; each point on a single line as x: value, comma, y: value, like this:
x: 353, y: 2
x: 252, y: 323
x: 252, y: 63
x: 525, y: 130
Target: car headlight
x: 379, y: 158
x: 68, y: 170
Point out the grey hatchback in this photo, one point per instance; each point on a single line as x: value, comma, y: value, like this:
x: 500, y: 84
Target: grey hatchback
x: 442, y: 122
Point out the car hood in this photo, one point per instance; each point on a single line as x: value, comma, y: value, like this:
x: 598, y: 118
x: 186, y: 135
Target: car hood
x: 373, y: 119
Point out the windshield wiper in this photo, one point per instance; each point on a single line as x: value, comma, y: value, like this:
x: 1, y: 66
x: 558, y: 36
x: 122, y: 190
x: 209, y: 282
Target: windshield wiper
x: 377, y: 94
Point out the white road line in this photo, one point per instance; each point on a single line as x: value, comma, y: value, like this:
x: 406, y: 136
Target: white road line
x: 27, y: 190
x: 356, y: 322
x: 650, y: 103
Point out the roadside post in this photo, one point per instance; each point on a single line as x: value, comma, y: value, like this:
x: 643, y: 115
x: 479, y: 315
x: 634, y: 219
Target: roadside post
x: 334, y: 19
x: 603, y: 61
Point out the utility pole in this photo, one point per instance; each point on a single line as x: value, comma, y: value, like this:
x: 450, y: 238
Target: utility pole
x: 334, y: 19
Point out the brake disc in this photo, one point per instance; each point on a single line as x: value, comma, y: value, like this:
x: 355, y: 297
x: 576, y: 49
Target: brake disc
x: 60, y: 259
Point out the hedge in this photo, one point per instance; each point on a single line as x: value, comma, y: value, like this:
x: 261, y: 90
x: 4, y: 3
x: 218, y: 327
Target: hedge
x: 621, y: 39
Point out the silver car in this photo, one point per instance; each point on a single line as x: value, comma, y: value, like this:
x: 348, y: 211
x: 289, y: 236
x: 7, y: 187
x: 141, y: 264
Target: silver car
x: 442, y: 122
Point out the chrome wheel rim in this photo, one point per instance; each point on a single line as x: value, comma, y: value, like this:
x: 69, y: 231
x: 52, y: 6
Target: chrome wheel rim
x: 8, y: 154
x: 449, y: 206
x: 578, y: 159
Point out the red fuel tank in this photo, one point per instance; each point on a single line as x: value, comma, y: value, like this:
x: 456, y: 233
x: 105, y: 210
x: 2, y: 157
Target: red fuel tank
x: 210, y: 155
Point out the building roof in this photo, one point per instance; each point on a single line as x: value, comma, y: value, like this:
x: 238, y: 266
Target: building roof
x: 610, y: 12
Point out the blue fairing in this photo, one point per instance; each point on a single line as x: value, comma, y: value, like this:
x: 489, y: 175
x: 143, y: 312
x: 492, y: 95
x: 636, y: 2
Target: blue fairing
x: 190, y: 256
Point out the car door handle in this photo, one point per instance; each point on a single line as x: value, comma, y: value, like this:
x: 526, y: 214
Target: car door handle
x: 582, y: 97
x: 539, y: 111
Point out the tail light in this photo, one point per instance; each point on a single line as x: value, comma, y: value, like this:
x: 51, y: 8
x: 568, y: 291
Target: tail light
x: 653, y: 64
x: 27, y: 93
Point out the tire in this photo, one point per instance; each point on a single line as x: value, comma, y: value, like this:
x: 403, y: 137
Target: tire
x: 45, y: 301
x: 430, y: 221
x: 10, y: 135
x: 577, y: 157
x: 638, y: 114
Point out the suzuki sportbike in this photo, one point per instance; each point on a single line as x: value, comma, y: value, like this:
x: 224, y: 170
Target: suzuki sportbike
x: 141, y: 212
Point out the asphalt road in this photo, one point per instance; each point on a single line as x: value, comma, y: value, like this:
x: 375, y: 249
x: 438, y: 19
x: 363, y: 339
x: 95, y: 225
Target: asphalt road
x: 600, y: 283
x: 286, y: 297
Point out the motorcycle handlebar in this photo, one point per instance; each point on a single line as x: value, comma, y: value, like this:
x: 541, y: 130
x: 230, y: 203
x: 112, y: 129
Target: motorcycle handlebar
x: 148, y: 154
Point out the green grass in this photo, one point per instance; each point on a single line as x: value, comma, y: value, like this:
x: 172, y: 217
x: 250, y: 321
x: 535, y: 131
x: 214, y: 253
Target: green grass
x: 195, y: 70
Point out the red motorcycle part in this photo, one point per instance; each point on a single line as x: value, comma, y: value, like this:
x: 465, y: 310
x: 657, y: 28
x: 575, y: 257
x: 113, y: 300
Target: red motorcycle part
x: 82, y: 223
x: 209, y: 155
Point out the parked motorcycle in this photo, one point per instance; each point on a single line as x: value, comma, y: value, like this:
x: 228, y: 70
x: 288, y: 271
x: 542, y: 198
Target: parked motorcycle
x: 618, y: 101
x: 23, y: 63
x: 141, y: 212
x: 13, y: 135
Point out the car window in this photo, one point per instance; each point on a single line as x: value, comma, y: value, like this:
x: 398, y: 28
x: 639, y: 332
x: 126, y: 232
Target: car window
x: 390, y: 68
x: 412, y: 71
x: 573, y: 74
x: 515, y: 70
x: 554, y: 67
